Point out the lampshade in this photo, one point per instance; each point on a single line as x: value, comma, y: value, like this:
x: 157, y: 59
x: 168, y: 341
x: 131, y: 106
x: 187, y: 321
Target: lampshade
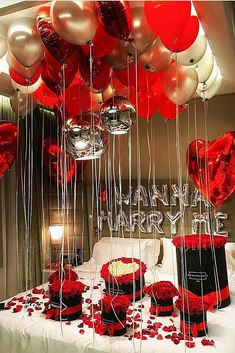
x: 56, y: 231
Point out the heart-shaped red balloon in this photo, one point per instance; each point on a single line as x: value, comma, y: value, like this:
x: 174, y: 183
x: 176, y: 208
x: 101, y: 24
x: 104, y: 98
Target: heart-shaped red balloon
x: 54, y: 159
x: 8, y: 145
x: 211, y: 166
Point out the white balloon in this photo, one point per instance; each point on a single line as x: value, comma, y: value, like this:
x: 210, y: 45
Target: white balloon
x: 213, y: 76
x: 26, y: 89
x: 194, y: 53
x: 211, y: 92
x: 205, y: 66
x: 3, y: 40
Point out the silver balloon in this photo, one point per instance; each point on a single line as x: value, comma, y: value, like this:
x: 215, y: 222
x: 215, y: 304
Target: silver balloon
x: 182, y: 196
x: 26, y: 72
x: 156, y: 195
x: 154, y: 222
x: 140, y: 195
x: 200, y: 220
x: 180, y: 83
x: 137, y: 220
x: 173, y: 218
x: 24, y: 41
x: 117, y: 115
x: 3, y: 40
x: 85, y: 139
x: 157, y: 58
x: 75, y: 21
x: 21, y: 103
x: 118, y: 59
x: 26, y: 89
x: 205, y: 66
x: 194, y: 53
x: 142, y: 35
x: 208, y: 89
x: 219, y: 225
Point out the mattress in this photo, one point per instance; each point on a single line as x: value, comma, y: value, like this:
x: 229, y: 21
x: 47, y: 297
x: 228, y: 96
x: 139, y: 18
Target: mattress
x: 22, y: 332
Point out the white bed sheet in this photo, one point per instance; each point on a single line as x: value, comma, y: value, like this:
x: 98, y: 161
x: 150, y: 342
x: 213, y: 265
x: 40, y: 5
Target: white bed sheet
x: 20, y: 333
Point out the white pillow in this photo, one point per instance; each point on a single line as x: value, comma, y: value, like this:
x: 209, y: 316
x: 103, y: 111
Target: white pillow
x: 169, y: 265
x: 108, y: 248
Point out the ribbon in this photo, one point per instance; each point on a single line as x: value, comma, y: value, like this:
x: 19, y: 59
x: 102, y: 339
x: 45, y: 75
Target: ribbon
x: 116, y: 326
x: 210, y: 298
x: 161, y: 309
x: 55, y: 312
x: 193, y: 328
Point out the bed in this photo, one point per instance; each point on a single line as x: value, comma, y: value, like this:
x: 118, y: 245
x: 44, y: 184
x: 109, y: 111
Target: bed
x: 29, y: 332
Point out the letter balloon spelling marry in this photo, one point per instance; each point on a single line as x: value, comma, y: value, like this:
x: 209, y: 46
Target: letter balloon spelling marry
x: 211, y: 166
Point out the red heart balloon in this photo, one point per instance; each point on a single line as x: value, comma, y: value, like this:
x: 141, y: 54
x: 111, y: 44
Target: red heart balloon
x: 211, y: 166
x: 54, y: 159
x: 8, y: 145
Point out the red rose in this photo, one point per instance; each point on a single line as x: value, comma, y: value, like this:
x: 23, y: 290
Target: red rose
x: 197, y: 241
x: 63, y: 274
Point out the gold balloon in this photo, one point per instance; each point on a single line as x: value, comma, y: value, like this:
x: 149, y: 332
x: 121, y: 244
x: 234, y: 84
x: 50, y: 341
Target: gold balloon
x: 118, y: 59
x: 157, y: 58
x: 180, y: 83
x: 3, y: 40
x: 26, y: 72
x: 22, y: 103
x: 24, y: 41
x: 142, y: 36
x: 75, y: 21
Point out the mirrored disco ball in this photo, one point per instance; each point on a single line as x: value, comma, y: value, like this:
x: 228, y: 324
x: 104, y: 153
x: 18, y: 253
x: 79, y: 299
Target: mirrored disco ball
x: 117, y: 115
x: 85, y: 138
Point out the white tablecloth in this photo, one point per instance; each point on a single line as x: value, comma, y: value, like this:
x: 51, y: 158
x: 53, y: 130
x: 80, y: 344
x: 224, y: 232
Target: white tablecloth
x: 20, y: 333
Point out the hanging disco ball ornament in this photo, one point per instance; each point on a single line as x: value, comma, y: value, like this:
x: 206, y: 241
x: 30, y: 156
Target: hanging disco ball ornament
x: 85, y: 138
x: 117, y: 115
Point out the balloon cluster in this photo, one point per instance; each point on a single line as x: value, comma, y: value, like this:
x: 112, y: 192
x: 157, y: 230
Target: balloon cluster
x: 110, y: 58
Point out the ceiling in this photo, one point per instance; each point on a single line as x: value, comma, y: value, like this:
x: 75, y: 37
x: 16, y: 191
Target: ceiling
x: 217, y: 19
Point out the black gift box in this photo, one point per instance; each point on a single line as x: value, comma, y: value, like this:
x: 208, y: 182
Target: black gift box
x: 109, y: 318
x: 67, y: 303
x: 194, y: 321
x: 127, y: 289
x: 202, y: 269
x: 158, y: 303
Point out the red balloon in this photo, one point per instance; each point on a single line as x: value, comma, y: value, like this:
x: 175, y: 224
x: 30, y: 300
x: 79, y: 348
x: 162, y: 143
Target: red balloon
x: 54, y: 159
x: 167, y: 18
x: 185, y: 39
x: 58, y: 47
x: 22, y: 80
x: 8, y: 145
x: 77, y: 99
x: 103, y: 196
x: 211, y: 166
x: 167, y: 109
x: 45, y: 96
x: 55, y: 70
x: 102, y: 43
x: 115, y: 17
x: 51, y: 84
x: 147, y: 102
x: 145, y: 79
x: 100, y: 72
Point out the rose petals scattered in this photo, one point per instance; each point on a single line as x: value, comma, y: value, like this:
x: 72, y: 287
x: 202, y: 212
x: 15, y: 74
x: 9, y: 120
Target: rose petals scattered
x: 174, y: 314
x: 68, y: 323
x: 190, y: 344
x: 88, y: 301
x: 11, y: 303
x: 159, y: 337
x: 176, y: 341
x: 157, y: 324
x: 37, y: 290
x: 45, y: 296
x: 81, y: 325
x: 38, y: 308
x: 18, y: 308
x: 82, y: 331
x: 30, y: 310
x: 206, y: 342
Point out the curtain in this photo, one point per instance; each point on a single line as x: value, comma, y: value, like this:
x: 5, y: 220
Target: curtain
x: 24, y: 207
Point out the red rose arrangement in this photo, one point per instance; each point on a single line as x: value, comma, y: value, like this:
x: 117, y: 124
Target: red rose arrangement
x: 199, y: 241
x: 192, y: 306
x: 117, y: 303
x: 163, y: 290
x: 62, y: 274
x: 127, y: 278
x: 68, y: 288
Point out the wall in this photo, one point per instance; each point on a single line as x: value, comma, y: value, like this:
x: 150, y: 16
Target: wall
x: 165, y: 160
